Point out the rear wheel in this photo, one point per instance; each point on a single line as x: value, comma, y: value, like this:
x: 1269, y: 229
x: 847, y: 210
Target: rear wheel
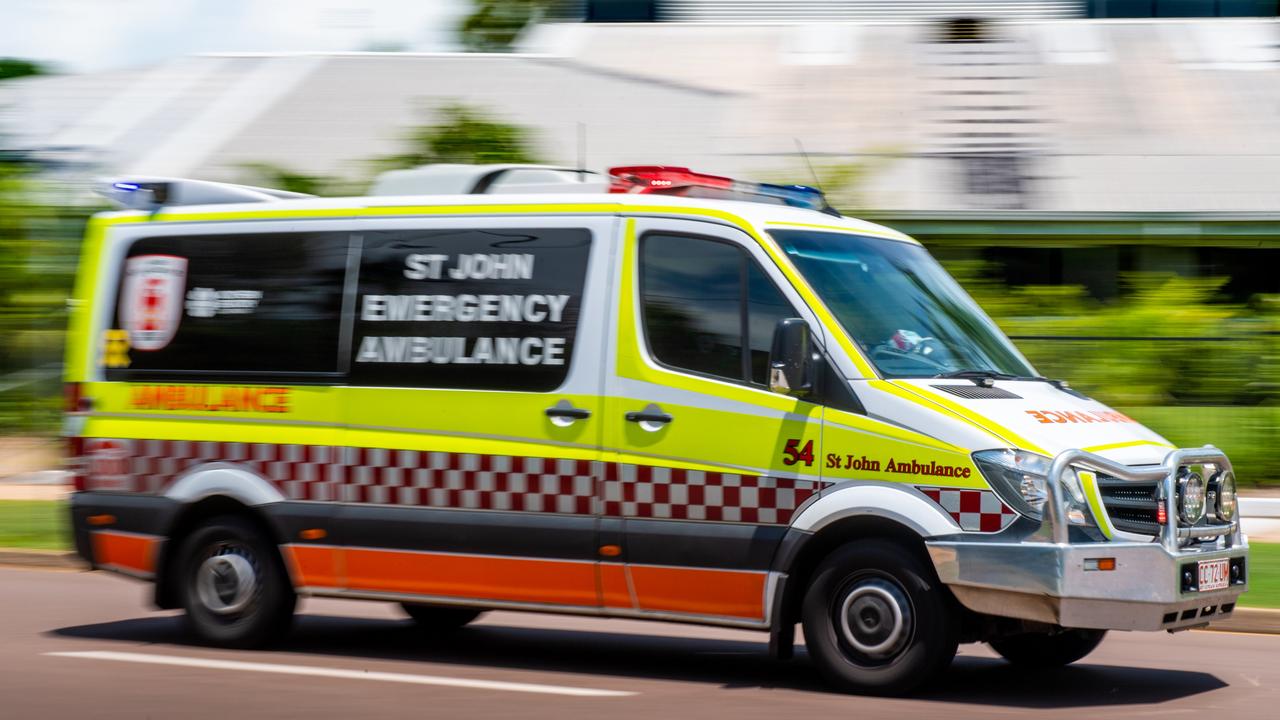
x: 234, y: 586
x: 1045, y: 650
x: 876, y: 621
x: 439, y: 619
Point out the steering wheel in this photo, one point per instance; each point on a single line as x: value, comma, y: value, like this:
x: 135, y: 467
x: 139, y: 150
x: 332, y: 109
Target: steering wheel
x: 893, y: 354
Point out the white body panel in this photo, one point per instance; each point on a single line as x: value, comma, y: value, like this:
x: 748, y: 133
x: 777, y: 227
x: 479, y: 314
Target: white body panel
x: 894, y: 502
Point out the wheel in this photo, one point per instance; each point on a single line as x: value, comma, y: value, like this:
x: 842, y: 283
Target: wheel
x: 1045, y: 650
x: 439, y: 619
x: 877, y: 621
x: 234, y: 586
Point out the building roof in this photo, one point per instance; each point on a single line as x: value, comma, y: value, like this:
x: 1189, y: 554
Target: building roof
x: 1058, y: 116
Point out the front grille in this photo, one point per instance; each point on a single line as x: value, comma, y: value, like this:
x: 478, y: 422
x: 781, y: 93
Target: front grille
x: 1132, y: 505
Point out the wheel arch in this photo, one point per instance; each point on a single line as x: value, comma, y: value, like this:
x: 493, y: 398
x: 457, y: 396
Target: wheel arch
x: 856, y: 511
x: 188, y: 519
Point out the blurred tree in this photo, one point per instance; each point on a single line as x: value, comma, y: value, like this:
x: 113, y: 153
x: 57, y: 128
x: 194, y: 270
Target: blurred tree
x: 463, y: 135
x: 37, y: 256
x: 1165, y: 341
x: 493, y: 25
x: 17, y: 67
x: 843, y: 182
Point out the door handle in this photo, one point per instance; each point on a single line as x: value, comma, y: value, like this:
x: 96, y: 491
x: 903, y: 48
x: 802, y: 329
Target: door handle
x: 564, y: 414
x: 651, y: 415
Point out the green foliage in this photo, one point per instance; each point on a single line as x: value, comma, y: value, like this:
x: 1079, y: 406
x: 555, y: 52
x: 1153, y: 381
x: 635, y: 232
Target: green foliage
x: 38, y: 245
x: 842, y: 182
x: 1246, y: 434
x: 463, y: 134
x: 17, y: 67
x: 493, y: 25
x: 34, y: 524
x: 1180, y: 347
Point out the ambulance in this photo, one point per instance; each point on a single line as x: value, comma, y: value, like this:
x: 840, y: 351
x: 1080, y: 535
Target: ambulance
x: 652, y: 394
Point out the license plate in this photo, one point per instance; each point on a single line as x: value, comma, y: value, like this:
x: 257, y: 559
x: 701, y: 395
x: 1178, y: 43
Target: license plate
x: 1214, y: 574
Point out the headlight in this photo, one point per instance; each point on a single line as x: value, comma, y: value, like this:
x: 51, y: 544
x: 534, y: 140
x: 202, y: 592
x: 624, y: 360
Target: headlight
x: 1021, y: 480
x: 1191, y: 497
x: 1222, y: 489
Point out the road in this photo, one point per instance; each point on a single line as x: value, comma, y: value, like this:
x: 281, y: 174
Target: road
x: 80, y: 644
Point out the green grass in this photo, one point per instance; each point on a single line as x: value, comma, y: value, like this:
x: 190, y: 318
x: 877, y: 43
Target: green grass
x: 34, y: 524
x: 1264, y: 576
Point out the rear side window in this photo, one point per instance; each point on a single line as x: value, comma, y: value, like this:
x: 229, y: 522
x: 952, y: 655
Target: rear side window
x: 708, y: 307
x: 477, y: 309
x: 228, y: 307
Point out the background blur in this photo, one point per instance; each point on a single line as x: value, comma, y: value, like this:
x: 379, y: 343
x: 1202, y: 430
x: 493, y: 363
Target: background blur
x: 1102, y: 175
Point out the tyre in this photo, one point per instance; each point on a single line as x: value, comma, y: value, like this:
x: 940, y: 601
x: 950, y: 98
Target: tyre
x: 1046, y: 650
x: 439, y: 619
x: 877, y: 621
x: 233, y: 585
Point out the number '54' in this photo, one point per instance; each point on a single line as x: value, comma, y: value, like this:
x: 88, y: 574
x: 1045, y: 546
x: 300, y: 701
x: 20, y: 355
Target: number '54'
x: 793, y: 453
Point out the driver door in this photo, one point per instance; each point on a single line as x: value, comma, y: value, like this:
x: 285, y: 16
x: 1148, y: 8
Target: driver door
x: 707, y: 465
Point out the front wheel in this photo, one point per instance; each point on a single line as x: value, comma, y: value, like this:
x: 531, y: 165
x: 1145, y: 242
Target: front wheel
x: 877, y: 621
x: 235, y: 589
x: 1045, y: 650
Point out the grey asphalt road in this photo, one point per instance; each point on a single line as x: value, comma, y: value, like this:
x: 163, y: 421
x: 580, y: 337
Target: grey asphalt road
x: 116, y: 658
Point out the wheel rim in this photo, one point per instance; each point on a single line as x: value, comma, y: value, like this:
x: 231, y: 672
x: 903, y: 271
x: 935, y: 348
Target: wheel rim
x: 874, y: 619
x: 227, y: 580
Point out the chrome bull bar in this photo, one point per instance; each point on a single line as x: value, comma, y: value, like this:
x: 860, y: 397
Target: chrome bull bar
x: 1054, y: 526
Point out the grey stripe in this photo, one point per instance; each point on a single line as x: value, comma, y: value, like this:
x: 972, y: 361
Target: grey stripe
x: 453, y: 433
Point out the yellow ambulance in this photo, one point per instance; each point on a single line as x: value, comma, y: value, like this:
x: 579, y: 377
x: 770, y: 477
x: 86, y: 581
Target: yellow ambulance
x: 655, y: 394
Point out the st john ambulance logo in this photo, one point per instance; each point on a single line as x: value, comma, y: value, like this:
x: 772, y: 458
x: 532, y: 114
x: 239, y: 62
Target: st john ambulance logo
x: 151, y: 304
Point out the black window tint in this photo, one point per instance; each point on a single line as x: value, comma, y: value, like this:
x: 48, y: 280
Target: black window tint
x: 695, y: 291
x: 480, y: 309
x: 765, y: 307
x: 210, y: 307
x: 691, y: 290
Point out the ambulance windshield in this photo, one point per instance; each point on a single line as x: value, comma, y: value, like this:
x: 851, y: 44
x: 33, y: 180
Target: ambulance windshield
x: 908, y: 315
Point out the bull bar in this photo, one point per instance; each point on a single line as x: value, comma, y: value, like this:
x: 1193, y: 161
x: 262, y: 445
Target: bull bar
x: 1044, y: 577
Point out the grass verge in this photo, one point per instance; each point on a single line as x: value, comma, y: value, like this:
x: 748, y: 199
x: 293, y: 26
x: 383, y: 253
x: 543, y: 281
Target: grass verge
x: 1264, y: 576
x: 34, y: 525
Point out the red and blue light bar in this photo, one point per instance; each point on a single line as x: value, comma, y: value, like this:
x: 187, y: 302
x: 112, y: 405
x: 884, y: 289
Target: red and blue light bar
x: 683, y: 182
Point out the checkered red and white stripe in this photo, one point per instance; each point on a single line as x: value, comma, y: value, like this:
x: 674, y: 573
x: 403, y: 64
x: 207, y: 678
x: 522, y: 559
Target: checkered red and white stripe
x: 658, y: 492
x: 457, y: 480
x: 973, y: 510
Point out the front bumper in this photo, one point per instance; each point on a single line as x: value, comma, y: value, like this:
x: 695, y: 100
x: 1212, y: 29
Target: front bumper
x: 1044, y: 578
x: 1048, y: 583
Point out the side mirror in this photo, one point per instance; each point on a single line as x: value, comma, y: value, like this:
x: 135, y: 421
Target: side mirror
x: 790, y: 364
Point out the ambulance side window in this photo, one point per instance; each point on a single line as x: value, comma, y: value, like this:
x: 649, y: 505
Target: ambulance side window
x: 469, y: 308
x: 210, y: 308
x: 706, y: 300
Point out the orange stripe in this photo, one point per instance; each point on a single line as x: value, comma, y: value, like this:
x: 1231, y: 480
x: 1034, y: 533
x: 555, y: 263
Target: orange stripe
x: 313, y: 566
x: 461, y: 576
x: 130, y: 552
x: 613, y: 586
x: 701, y: 592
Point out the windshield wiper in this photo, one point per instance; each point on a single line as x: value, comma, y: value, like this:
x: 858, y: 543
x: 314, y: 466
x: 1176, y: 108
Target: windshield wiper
x: 978, y: 376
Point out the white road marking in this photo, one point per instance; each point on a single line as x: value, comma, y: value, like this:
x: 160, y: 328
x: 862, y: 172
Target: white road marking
x: 342, y: 674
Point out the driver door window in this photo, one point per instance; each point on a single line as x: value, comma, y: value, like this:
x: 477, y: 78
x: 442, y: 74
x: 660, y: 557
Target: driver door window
x: 709, y: 308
